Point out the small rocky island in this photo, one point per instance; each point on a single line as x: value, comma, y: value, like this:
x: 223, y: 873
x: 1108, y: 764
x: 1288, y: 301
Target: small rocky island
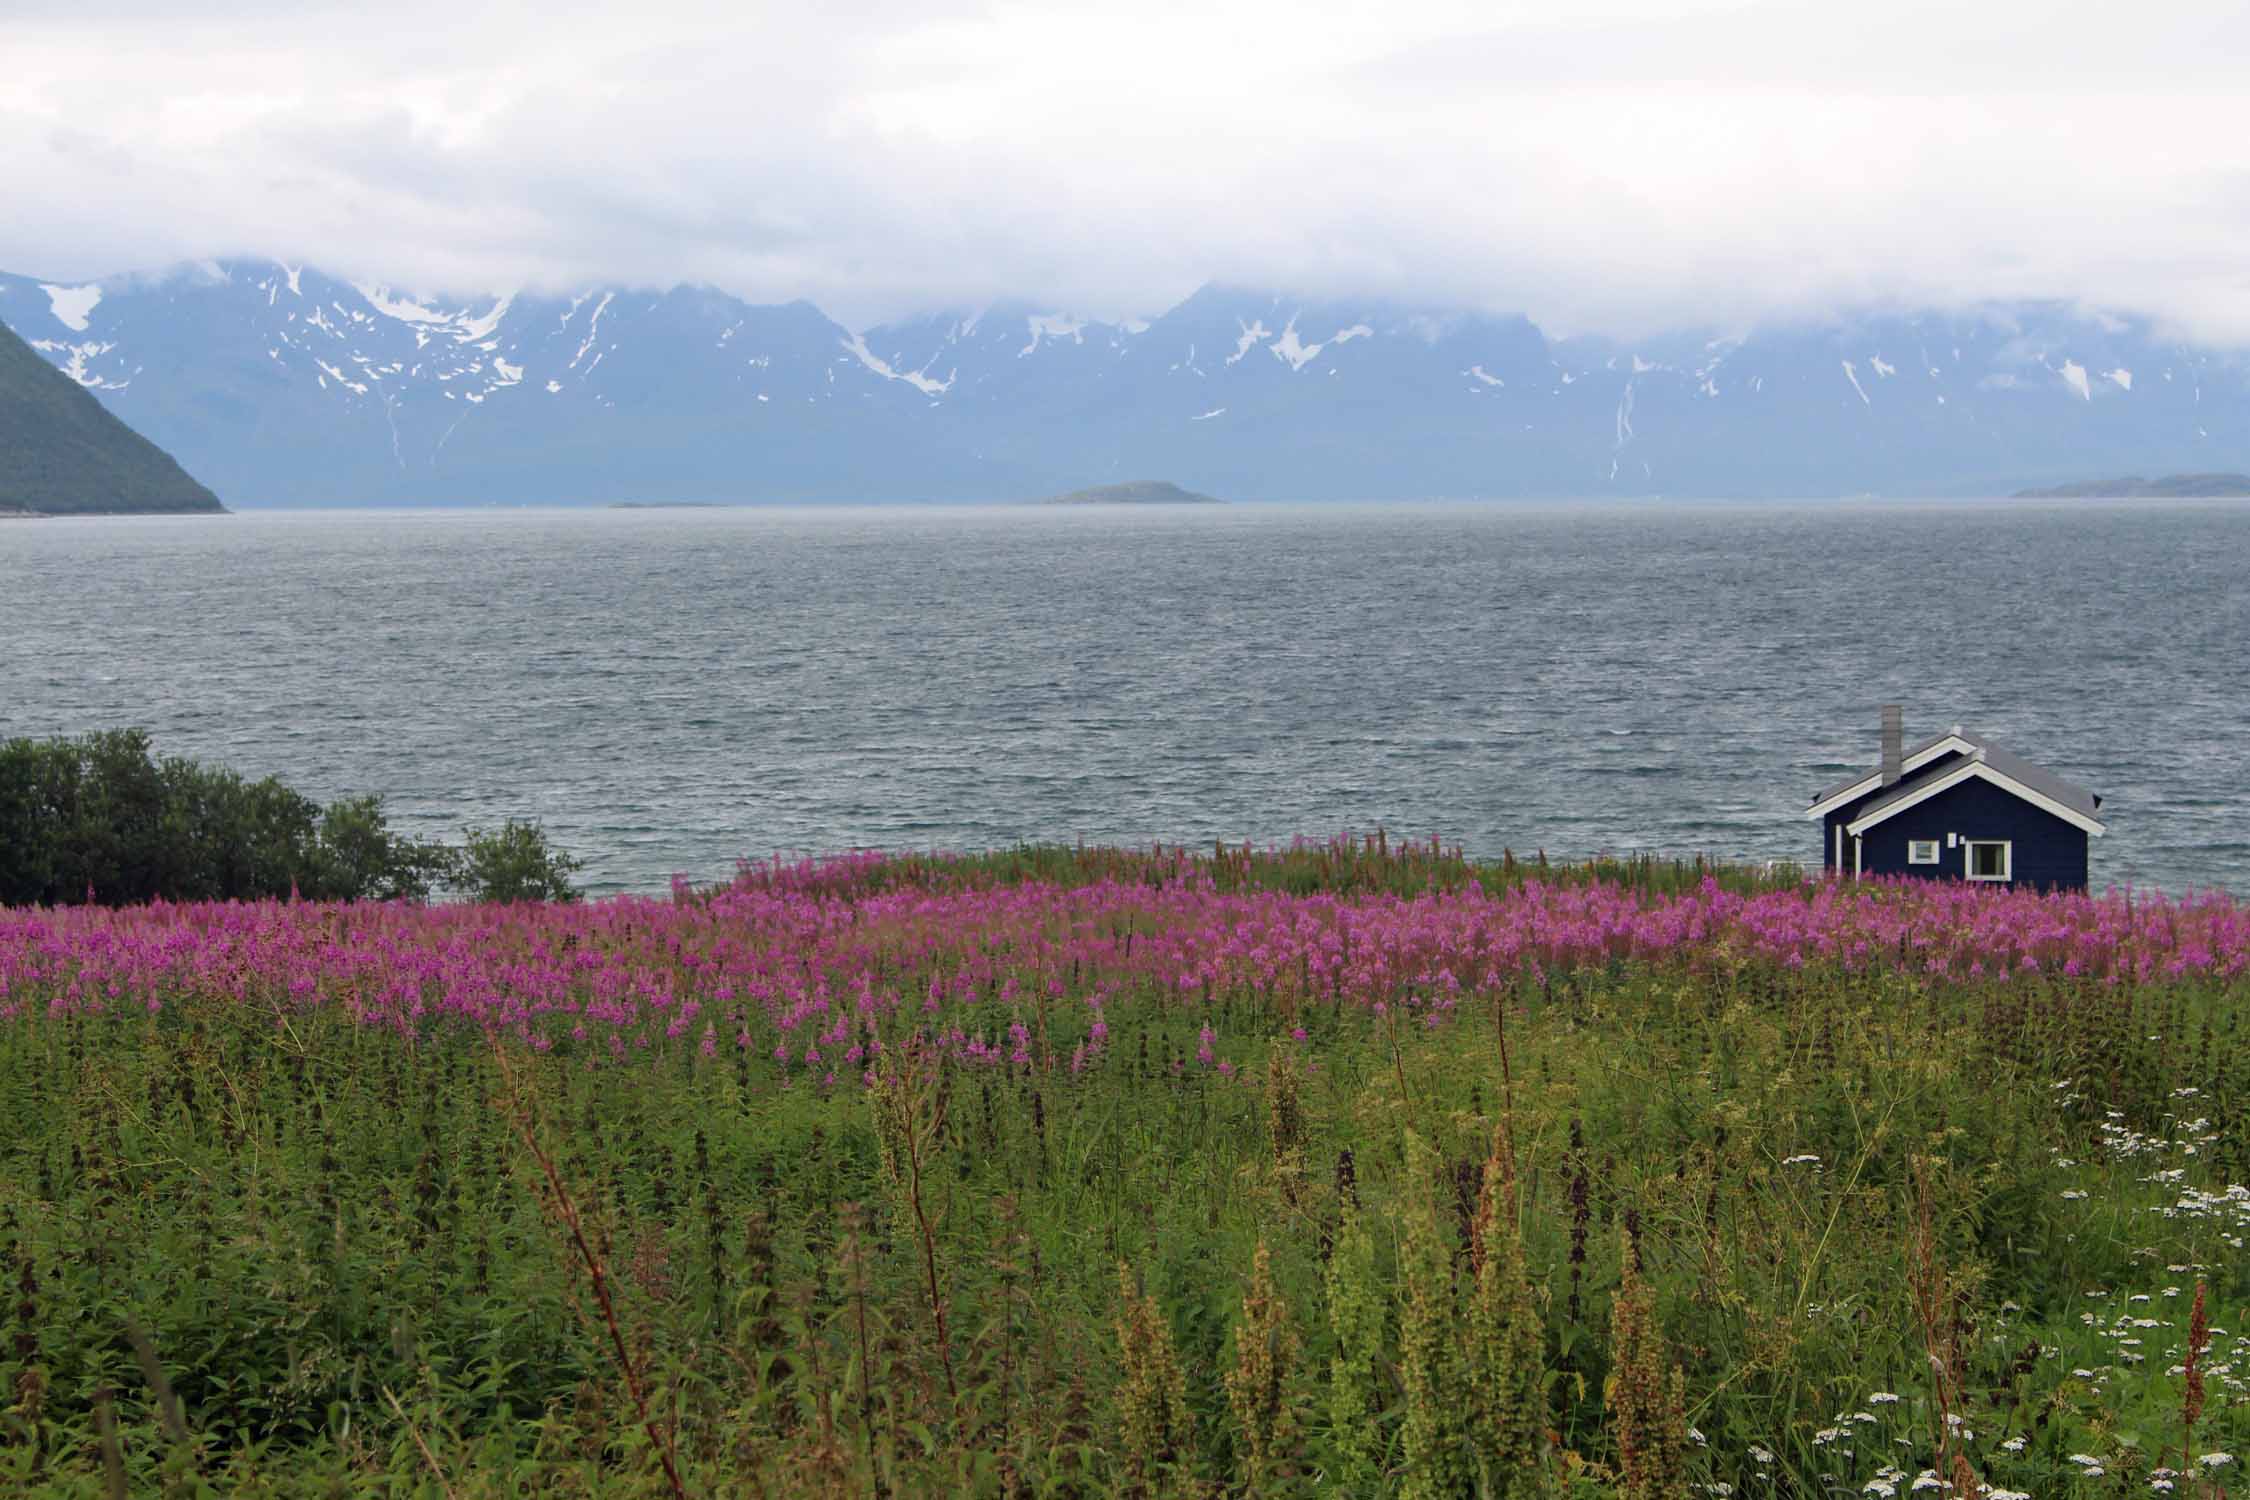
x: 2133, y: 487
x: 1134, y: 492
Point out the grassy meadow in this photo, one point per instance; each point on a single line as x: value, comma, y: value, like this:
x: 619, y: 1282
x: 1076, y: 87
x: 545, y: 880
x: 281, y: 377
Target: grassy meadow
x: 1351, y: 1169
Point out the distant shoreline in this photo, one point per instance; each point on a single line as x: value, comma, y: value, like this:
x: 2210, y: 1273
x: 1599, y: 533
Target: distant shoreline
x: 2134, y: 487
x: 1132, y: 492
x: 72, y: 515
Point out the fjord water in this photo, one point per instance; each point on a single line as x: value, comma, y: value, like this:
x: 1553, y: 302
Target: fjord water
x: 671, y: 690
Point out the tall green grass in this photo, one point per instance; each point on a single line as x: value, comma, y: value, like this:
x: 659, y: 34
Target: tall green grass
x: 253, y: 1259
x: 1348, y: 866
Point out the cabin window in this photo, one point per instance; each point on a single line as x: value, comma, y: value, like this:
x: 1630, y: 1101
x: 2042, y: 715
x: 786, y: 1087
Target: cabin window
x: 1921, y: 851
x: 1990, y: 859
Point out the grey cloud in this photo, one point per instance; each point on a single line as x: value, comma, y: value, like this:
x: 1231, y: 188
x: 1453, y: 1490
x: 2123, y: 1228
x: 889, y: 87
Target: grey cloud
x: 1649, y: 164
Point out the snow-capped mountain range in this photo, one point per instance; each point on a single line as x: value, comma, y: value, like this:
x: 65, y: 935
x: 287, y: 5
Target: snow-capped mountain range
x: 278, y: 385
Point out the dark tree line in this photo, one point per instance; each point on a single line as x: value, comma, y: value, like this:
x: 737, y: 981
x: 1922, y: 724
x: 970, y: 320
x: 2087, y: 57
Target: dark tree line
x: 100, y: 818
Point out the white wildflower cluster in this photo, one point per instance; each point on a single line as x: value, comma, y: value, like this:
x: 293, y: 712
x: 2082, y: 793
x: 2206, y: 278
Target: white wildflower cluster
x: 2229, y: 1207
x: 2127, y: 1332
x: 2124, y: 1143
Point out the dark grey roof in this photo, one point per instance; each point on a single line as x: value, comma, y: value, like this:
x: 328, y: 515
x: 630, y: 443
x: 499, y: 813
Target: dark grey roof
x: 1908, y: 754
x: 2046, y: 783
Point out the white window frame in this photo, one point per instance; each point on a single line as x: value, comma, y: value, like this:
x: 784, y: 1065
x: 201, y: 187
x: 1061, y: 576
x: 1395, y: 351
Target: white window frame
x: 2007, y: 849
x: 1915, y: 854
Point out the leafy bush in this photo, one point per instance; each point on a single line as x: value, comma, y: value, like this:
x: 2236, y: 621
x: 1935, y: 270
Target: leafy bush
x: 101, y: 819
x: 514, y: 863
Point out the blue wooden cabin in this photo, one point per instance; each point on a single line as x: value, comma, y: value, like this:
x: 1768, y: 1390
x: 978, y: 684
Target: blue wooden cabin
x: 1957, y: 807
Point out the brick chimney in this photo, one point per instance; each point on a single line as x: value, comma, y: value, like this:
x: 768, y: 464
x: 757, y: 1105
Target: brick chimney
x: 1894, y: 737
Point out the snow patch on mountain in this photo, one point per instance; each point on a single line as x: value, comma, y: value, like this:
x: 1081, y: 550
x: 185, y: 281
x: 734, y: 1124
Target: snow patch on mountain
x: 2121, y: 378
x: 73, y: 364
x: 404, y: 309
x: 1296, y: 353
x: 1852, y: 374
x: 922, y: 382
x: 1252, y: 333
x: 1291, y: 350
x: 1216, y: 411
x: 468, y: 330
x: 71, y: 304
x: 339, y: 377
x: 593, y: 326
x: 1052, y: 326
x: 2074, y: 376
x: 1478, y: 371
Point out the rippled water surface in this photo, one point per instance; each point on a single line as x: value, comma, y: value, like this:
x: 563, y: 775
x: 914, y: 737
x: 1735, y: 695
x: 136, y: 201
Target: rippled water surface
x: 670, y: 690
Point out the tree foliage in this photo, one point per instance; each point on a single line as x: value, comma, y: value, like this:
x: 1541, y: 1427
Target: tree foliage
x: 514, y: 862
x: 100, y: 818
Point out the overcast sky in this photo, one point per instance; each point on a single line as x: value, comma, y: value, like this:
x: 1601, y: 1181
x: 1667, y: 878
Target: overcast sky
x: 1610, y: 165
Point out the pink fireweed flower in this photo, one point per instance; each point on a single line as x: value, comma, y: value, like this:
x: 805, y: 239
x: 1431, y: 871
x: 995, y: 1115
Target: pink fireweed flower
x: 815, y: 946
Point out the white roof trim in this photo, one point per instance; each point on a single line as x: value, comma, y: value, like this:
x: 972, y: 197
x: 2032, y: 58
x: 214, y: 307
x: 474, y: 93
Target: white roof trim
x: 1983, y: 770
x: 1952, y: 744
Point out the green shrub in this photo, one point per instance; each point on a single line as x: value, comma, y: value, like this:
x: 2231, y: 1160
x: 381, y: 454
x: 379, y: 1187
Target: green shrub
x: 99, y: 818
x: 514, y: 862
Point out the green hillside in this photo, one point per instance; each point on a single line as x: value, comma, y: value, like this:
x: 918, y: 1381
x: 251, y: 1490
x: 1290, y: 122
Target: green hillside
x: 62, y: 453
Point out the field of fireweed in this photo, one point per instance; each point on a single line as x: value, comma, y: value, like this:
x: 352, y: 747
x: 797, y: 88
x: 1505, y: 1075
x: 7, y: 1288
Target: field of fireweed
x: 1343, y: 1170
